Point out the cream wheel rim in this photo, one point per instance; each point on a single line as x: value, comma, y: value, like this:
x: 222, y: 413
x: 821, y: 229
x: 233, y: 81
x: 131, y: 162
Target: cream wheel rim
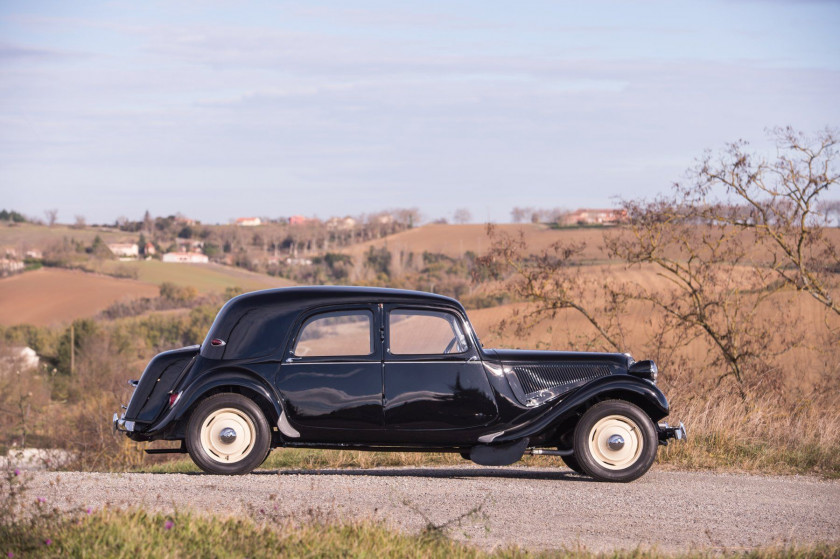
x: 615, y: 442
x: 219, y: 443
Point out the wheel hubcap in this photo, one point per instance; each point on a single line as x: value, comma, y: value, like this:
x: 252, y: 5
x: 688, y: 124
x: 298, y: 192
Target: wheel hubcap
x: 615, y: 442
x: 228, y: 435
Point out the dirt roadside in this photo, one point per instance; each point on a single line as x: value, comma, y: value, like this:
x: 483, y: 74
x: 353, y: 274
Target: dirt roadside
x: 528, y: 507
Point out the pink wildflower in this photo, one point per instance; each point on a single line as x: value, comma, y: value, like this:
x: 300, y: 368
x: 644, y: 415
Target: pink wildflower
x: 47, y: 541
x: 41, y: 500
x: 17, y: 473
x: 168, y: 525
x: 89, y: 510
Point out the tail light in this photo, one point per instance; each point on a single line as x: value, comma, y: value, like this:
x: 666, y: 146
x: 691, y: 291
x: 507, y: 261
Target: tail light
x: 174, y: 397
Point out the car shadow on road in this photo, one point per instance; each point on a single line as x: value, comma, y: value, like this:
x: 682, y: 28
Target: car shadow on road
x: 446, y: 473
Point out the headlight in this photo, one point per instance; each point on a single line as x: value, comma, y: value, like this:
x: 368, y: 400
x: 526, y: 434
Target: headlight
x: 644, y: 369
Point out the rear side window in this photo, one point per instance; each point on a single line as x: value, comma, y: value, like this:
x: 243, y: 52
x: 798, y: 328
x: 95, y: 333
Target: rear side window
x: 420, y: 332
x: 336, y: 334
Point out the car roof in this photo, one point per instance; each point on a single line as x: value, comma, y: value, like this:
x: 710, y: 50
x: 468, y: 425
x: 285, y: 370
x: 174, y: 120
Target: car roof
x: 244, y: 320
x: 306, y: 296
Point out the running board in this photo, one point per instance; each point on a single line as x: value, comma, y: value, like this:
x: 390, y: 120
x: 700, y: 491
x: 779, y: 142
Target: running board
x: 180, y: 450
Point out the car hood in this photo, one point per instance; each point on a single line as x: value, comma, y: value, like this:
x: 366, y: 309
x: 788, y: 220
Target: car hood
x: 540, y: 376
x: 519, y: 356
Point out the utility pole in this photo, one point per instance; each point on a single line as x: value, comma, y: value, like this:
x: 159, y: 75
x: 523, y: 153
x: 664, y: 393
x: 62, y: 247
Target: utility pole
x: 72, y: 348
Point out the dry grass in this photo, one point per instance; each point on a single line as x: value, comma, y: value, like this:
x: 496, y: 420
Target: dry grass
x: 455, y: 240
x: 769, y: 435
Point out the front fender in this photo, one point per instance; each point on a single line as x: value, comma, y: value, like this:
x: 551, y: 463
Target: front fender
x: 239, y: 378
x: 625, y: 387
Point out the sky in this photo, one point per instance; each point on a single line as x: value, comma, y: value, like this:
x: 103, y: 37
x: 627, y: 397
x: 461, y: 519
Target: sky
x: 222, y: 109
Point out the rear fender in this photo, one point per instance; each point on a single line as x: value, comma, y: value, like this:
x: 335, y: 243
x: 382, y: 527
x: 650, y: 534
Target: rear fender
x: 236, y: 380
x: 640, y: 392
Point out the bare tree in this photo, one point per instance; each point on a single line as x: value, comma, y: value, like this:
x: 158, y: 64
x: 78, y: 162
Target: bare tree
x: 518, y: 215
x: 713, y: 291
x: 462, y: 215
x: 830, y: 210
x: 148, y: 222
x: 551, y: 281
x: 409, y: 217
x: 52, y: 217
x: 80, y: 222
x: 778, y: 200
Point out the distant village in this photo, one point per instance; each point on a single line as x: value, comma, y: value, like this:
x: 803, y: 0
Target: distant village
x: 289, y: 241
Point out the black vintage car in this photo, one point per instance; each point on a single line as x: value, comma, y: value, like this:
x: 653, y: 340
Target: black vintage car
x: 386, y: 369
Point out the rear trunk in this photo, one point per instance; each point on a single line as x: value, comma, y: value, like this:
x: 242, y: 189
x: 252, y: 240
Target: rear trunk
x: 161, y: 377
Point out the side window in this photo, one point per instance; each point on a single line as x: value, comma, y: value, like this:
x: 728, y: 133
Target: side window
x: 336, y: 333
x: 418, y: 332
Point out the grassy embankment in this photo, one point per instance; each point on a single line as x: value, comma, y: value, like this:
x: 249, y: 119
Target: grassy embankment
x: 112, y: 533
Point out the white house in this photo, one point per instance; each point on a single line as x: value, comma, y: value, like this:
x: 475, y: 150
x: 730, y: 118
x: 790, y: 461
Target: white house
x: 248, y: 221
x: 187, y: 245
x: 19, y: 358
x: 186, y: 257
x: 125, y: 250
x: 10, y: 266
x: 341, y: 223
x: 595, y: 217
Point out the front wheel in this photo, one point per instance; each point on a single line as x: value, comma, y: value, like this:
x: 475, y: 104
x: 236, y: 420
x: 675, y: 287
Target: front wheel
x: 615, y: 441
x: 228, y: 434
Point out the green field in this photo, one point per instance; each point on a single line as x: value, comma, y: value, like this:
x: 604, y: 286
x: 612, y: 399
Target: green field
x: 26, y: 236
x: 204, y: 277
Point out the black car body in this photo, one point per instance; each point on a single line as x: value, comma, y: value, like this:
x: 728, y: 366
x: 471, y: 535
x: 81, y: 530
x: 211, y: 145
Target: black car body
x: 374, y: 369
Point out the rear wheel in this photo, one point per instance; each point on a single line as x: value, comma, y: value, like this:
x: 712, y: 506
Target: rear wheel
x: 228, y: 434
x: 615, y: 441
x: 572, y: 463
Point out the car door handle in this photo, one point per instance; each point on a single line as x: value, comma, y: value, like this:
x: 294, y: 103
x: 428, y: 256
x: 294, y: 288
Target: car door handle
x: 471, y: 359
x: 293, y: 359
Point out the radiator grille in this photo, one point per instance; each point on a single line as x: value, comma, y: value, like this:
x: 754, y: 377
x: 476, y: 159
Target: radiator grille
x: 534, y: 378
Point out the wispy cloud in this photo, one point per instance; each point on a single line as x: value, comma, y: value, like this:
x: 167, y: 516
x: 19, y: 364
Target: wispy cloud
x: 394, y: 106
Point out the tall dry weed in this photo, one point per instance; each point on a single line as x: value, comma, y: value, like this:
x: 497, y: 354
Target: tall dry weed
x: 771, y: 433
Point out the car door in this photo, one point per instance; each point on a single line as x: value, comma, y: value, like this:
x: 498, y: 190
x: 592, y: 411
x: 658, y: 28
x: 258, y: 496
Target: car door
x: 434, y: 378
x: 331, y: 375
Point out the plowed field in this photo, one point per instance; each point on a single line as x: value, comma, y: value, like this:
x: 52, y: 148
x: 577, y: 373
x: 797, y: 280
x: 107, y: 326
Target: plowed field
x: 55, y: 296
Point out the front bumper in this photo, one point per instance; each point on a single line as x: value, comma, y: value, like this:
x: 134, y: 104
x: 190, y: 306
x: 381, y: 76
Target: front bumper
x: 666, y: 433
x: 121, y: 425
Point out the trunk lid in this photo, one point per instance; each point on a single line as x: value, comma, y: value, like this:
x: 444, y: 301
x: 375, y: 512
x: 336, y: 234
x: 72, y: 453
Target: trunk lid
x: 151, y: 396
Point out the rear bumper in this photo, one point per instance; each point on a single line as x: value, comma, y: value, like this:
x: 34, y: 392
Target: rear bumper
x: 666, y: 433
x: 121, y: 425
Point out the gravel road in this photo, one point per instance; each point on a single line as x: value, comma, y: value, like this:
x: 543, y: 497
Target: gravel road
x: 532, y: 508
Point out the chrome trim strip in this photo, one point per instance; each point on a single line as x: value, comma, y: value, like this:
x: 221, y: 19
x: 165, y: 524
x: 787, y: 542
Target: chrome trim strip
x: 294, y: 360
x: 490, y: 437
